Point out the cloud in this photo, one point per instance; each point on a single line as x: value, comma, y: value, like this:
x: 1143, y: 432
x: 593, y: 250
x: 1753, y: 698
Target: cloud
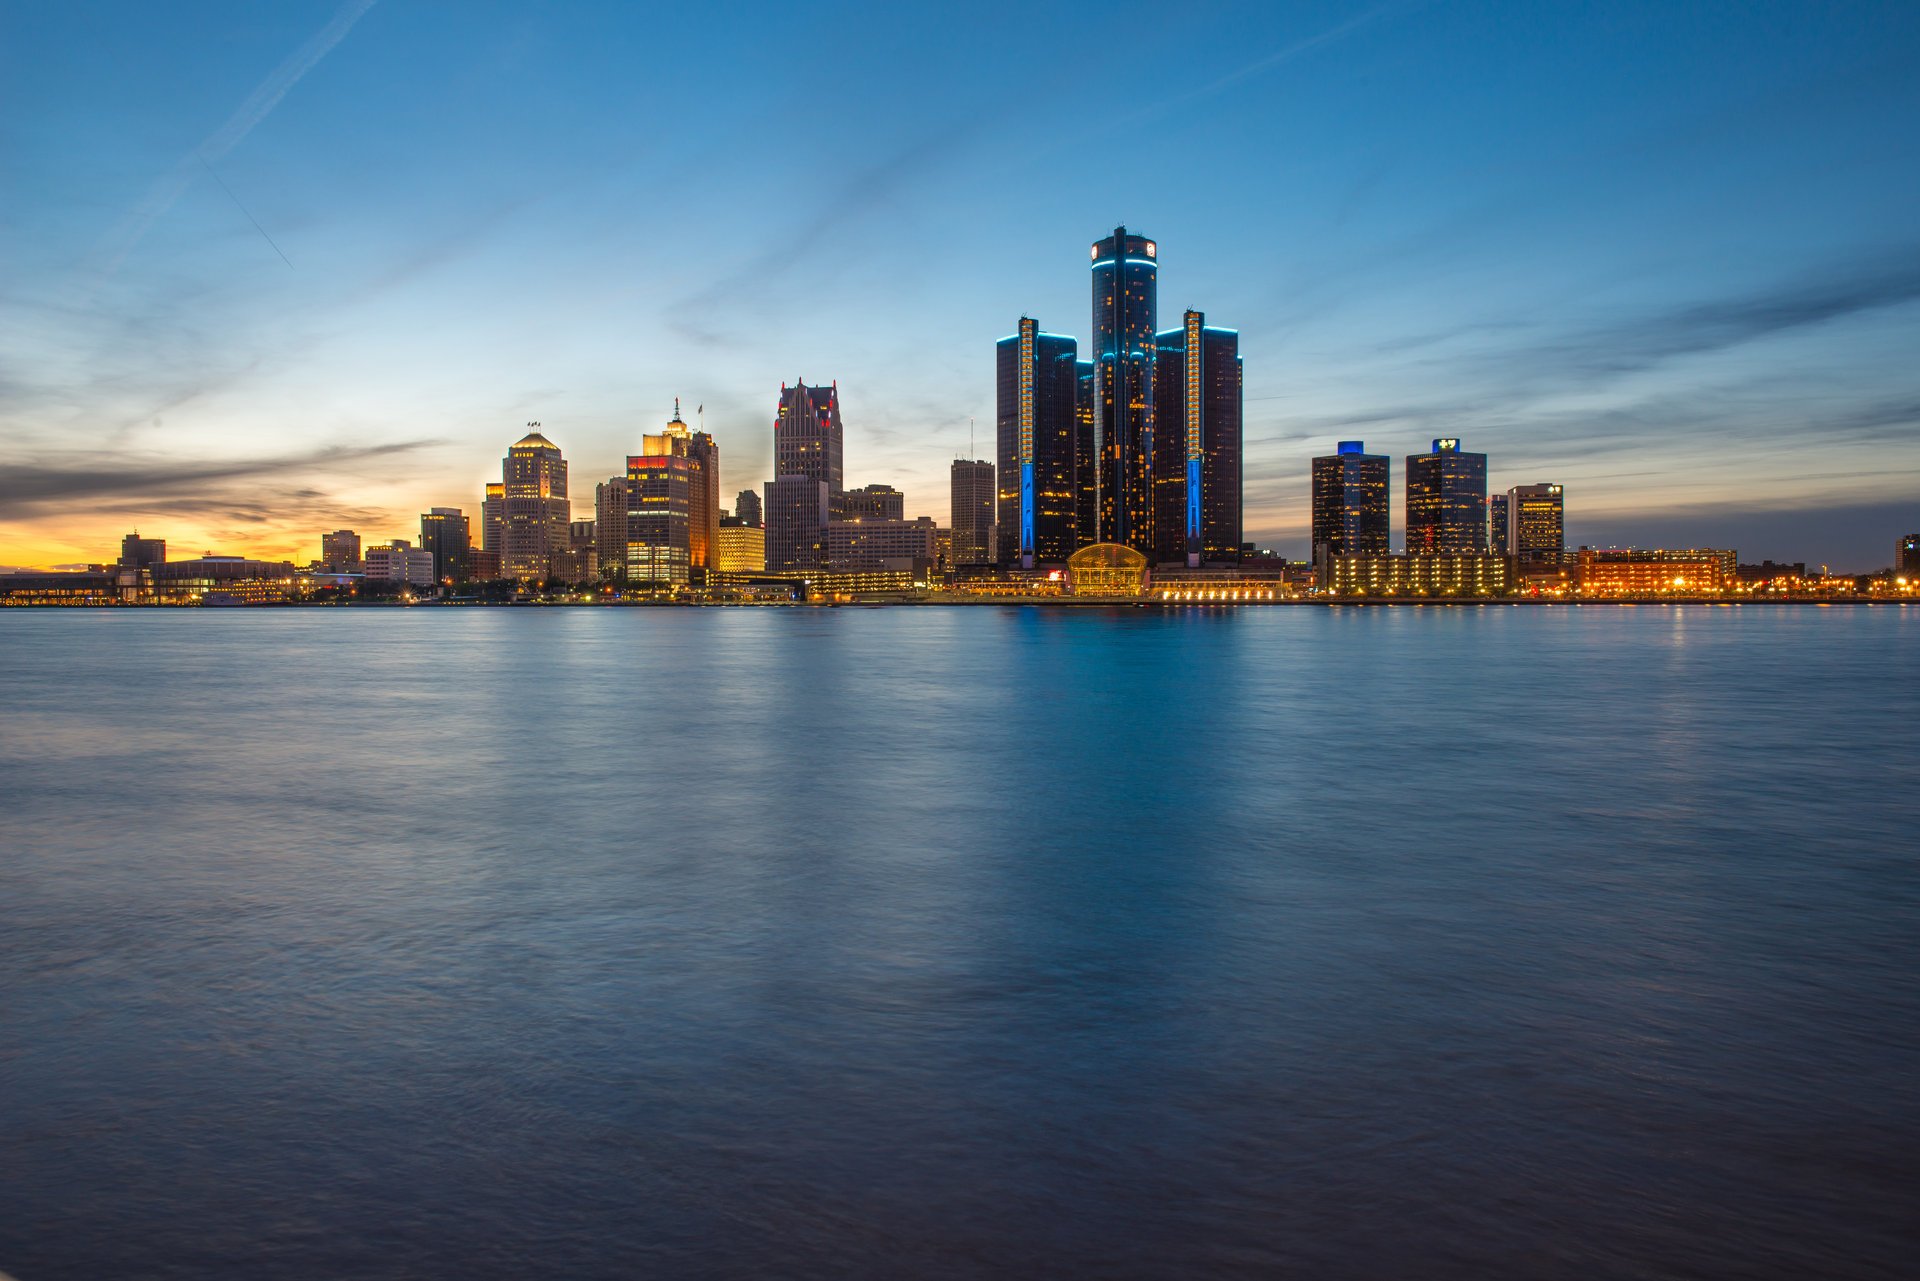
x: 234, y: 130
x: 169, y: 486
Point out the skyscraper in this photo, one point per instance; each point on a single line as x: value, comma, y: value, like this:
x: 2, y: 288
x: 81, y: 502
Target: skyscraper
x: 660, y: 483
x: 872, y: 502
x: 703, y: 499
x: 747, y: 508
x: 1036, y: 386
x: 493, y: 508
x: 1196, y: 432
x: 610, y: 529
x: 808, y: 436
x: 445, y: 536
x: 534, y: 507
x: 972, y: 500
x: 797, y: 512
x: 1907, y: 555
x: 1536, y: 524
x: 1446, y: 500
x: 143, y: 553
x: 1497, y: 524
x: 1350, y: 514
x: 340, y: 551
x: 1125, y: 287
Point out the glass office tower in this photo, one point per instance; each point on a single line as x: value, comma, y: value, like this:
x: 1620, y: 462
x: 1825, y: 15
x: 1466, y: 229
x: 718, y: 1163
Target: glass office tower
x: 1125, y: 286
x: 1036, y: 381
x: 808, y: 436
x: 1536, y: 524
x: 1446, y: 500
x: 1196, y: 465
x: 1350, y: 513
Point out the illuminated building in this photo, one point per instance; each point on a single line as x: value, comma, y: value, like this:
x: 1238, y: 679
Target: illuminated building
x: 1107, y: 569
x: 825, y: 584
x: 1536, y: 524
x: 445, y: 536
x: 610, y: 529
x: 583, y: 551
x: 483, y: 565
x: 1086, y: 458
x: 534, y: 511
x: 227, y: 578
x: 70, y: 587
x: 1906, y: 559
x: 340, y: 551
x: 1036, y: 385
x: 493, y: 505
x: 943, y: 549
x: 871, y: 502
x: 1446, y: 501
x: 1418, y: 574
x: 797, y: 510
x: 741, y: 548
x: 1497, y: 524
x: 400, y: 562
x: 1125, y: 286
x: 1196, y: 434
x: 1655, y: 571
x: 881, y: 544
x: 138, y: 553
x: 660, y: 483
x: 747, y: 507
x: 808, y: 436
x: 971, y: 489
x: 1350, y: 513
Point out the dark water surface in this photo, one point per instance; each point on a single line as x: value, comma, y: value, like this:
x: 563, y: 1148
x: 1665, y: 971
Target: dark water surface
x: 960, y: 943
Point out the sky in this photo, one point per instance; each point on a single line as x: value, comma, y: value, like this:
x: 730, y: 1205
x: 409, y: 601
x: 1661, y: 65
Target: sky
x: 268, y: 270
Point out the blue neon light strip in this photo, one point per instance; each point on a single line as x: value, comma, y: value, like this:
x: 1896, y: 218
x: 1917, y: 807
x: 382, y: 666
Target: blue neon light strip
x: 1026, y: 509
x: 1193, y: 499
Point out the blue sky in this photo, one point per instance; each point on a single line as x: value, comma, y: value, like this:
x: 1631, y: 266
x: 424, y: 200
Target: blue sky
x: 270, y: 269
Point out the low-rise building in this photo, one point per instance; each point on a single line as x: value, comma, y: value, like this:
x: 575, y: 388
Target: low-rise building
x: 1637, y: 571
x: 1420, y: 574
x: 400, y: 562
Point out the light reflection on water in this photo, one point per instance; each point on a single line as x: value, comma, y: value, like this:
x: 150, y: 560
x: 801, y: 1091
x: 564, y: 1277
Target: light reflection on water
x: 1447, y: 942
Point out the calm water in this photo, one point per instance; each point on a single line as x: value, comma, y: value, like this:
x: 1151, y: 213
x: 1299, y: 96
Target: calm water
x: 960, y: 943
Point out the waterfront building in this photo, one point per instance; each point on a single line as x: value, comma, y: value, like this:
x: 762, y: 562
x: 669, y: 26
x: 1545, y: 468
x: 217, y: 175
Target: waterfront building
x: 610, y: 529
x: 943, y: 549
x: 809, y: 437
x: 1086, y: 458
x: 1497, y: 524
x: 1536, y: 524
x: 871, y: 502
x: 484, y: 566
x: 660, y: 484
x: 1108, y: 569
x: 1447, y: 501
x: 493, y: 506
x: 972, y: 500
x: 741, y: 548
x: 1196, y: 434
x: 1036, y: 384
x: 797, y: 512
x: 747, y: 508
x: 1417, y: 574
x: 1906, y: 558
x: 340, y: 551
x: 882, y: 544
x: 138, y: 553
x: 583, y: 551
x: 445, y: 536
x: 1637, y: 571
x: 224, y: 580
x: 1125, y: 298
x: 1350, y: 512
x: 534, y: 512
x: 400, y: 562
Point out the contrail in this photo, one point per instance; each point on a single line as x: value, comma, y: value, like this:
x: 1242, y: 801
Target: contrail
x: 230, y: 134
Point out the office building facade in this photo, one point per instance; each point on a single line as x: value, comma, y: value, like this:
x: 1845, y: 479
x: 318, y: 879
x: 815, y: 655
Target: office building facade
x: 1125, y: 299
x: 1446, y: 501
x: 1497, y: 524
x: 143, y: 553
x: 882, y: 544
x: 809, y: 437
x: 340, y: 551
x: 1197, y: 436
x: 1351, y: 516
x: 535, y: 511
x: 747, y: 507
x: 445, y: 536
x: 1536, y: 524
x: 610, y: 529
x: 972, y: 500
x: 660, y: 485
x: 871, y: 502
x: 1036, y: 385
x: 741, y: 548
x: 797, y: 513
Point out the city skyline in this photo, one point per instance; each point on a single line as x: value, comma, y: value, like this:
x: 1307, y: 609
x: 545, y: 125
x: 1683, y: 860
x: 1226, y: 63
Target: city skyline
x: 294, y: 293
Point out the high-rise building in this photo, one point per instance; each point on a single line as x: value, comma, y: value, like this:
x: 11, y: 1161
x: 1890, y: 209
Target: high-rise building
x: 797, y: 513
x: 703, y: 493
x: 445, y: 536
x: 1086, y: 458
x: 1446, y: 500
x: 534, y: 507
x: 493, y: 523
x: 1497, y: 524
x: 972, y: 498
x: 1125, y: 287
x: 871, y: 502
x: 1907, y: 556
x: 144, y: 553
x: 610, y: 529
x: 660, y: 483
x: 1536, y: 524
x: 1036, y: 386
x: 808, y: 436
x: 1350, y: 513
x: 340, y: 551
x: 742, y: 548
x: 881, y: 544
x: 1196, y: 433
x: 583, y: 551
x: 747, y: 508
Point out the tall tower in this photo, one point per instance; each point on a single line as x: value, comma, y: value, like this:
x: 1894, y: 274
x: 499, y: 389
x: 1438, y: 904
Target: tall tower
x: 1447, y: 501
x: 972, y: 516
x: 1536, y: 532
x: 1125, y: 296
x: 659, y: 503
x: 1196, y: 465
x: 1350, y: 513
x: 535, y: 513
x: 808, y: 436
x: 703, y: 493
x: 1036, y: 402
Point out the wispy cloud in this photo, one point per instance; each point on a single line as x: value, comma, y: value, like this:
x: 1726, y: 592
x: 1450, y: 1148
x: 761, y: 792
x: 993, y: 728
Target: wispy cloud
x: 98, y: 477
